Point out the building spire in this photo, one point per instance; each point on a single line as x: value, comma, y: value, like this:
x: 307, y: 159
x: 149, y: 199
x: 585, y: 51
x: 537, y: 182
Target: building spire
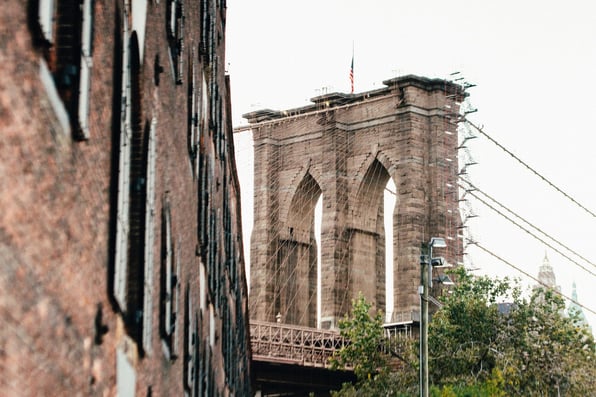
x: 546, y: 275
x: 576, y: 310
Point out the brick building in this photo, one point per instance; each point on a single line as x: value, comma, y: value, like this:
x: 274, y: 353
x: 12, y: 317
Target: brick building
x: 121, y: 268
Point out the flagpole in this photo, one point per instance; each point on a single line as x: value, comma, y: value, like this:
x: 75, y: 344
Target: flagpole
x: 352, y: 71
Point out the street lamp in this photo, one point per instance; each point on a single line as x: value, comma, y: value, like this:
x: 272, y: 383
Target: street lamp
x: 427, y: 262
x: 444, y: 279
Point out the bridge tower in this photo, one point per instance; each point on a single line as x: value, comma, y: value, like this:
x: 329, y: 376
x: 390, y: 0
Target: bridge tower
x: 345, y: 148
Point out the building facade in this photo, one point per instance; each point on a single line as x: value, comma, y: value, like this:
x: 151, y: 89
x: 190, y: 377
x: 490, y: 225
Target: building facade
x: 120, y: 240
x: 344, y: 148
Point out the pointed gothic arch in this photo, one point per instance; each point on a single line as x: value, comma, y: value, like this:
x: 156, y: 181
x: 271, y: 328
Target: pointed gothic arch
x: 296, y: 265
x: 367, y: 247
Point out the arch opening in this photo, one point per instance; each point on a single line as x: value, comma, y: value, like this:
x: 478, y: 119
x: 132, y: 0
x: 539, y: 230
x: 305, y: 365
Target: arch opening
x: 372, y: 240
x: 296, y: 273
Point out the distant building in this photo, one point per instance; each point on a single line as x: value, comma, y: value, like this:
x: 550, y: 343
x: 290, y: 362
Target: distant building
x: 121, y: 267
x: 546, y: 279
x: 576, y: 310
x: 546, y: 275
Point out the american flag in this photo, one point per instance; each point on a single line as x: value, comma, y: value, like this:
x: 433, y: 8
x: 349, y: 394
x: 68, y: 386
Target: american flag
x: 352, y: 75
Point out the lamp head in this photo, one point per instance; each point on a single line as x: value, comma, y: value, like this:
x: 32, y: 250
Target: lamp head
x: 445, y: 280
x: 437, y: 242
x: 439, y: 262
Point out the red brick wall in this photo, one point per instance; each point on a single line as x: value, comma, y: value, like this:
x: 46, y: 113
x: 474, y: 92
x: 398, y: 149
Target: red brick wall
x: 60, y: 324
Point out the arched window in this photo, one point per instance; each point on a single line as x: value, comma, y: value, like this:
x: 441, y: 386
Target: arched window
x: 66, y: 28
x: 133, y: 262
x: 170, y: 285
x: 175, y: 29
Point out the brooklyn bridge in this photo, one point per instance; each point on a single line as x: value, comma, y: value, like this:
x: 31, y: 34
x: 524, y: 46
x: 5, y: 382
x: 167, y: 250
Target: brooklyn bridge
x: 344, y: 152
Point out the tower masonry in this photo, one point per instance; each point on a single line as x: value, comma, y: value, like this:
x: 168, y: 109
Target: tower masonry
x: 344, y: 148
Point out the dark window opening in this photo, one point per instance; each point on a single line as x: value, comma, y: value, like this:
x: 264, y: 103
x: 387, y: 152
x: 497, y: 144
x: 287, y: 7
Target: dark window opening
x: 137, y: 199
x: 65, y: 29
x: 194, y: 108
x: 169, y: 284
x: 175, y: 29
x: 190, y: 346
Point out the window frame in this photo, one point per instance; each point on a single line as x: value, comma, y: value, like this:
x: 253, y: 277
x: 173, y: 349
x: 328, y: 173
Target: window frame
x: 72, y: 76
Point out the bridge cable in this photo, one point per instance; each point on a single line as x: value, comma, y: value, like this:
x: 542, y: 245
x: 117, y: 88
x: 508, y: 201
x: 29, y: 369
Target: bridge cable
x: 532, y: 234
x: 480, y: 130
x: 474, y: 188
x: 530, y: 276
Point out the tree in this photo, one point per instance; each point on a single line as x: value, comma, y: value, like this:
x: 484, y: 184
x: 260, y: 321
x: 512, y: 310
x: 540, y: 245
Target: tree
x: 369, y: 353
x: 364, y: 334
x: 477, y: 347
x: 549, y: 354
x: 464, y: 335
x: 530, y: 348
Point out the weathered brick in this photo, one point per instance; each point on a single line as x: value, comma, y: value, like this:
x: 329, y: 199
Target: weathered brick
x: 61, y: 325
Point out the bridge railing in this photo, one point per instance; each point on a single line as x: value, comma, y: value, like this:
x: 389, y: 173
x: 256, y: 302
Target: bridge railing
x: 276, y: 342
x: 403, y: 317
x: 313, y: 347
x: 397, y: 336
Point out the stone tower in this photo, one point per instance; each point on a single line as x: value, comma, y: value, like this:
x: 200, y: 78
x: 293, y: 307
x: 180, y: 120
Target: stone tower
x: 345, y: 148
x: 546, y: 275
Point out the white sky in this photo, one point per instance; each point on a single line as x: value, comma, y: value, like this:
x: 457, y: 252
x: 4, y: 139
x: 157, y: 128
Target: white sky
x: 531, y: 61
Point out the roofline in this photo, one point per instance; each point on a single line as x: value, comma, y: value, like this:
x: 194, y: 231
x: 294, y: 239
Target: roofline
x: 337, y: 99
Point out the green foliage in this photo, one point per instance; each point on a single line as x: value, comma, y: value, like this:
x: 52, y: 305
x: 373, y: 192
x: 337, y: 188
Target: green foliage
x: 464, y: 334
x: 531, y: 349
x: 492, y: 387
x: 370, y: 363
x: 365, y: 336
x: 548, y: 354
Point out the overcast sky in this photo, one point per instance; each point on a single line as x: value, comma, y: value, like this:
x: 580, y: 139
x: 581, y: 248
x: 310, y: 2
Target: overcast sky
x: 532, y: 62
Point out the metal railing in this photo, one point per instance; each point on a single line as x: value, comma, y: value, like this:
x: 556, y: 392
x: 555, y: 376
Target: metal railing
x: 285, y: 343
x: 403, y: 317
x: 312, y: 347
x: 396, y: 337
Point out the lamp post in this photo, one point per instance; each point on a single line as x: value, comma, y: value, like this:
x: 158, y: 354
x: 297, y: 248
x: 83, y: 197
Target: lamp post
x: 426, y: 265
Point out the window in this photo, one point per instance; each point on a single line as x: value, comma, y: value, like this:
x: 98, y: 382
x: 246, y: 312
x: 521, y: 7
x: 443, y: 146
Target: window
x: 193, y: 115
x: 170, y: 285
x: 205, y: 21
x: 149, y: 239
x: 66, y: 29
x: 133, y: 262
x: 207, y: 42
x: 190, y: 345
x: 137, y: 199
x: 202, y: 362
x: 122, y: 226
x: 202, y: 288
x: 211, y: 326
x: 203, y: 131
x: 175, y: 28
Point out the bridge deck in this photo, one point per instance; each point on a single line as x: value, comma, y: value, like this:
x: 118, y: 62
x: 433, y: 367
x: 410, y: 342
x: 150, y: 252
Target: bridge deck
x: 293, y: 344
x: 292, y: 360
